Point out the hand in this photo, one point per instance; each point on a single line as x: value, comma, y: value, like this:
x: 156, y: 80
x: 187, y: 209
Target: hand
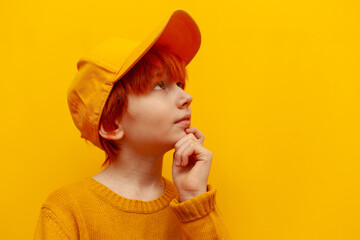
x: 191, y: 165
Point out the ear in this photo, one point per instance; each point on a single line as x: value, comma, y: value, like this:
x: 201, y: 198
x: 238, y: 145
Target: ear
x: 115, y: 134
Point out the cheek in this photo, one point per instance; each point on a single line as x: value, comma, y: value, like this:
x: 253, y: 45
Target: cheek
x: 157, y: 113
x: 151, y: 117
x: 158, y: 121
x: 151, y: 114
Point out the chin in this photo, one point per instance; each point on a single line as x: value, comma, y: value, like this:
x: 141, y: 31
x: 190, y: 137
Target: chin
x: 183, y: 134
x: 176, y: 138
x: 170, y: 143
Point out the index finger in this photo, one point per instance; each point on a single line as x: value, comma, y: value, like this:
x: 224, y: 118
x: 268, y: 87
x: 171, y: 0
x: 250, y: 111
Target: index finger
x: 183, y: 139
x: 199, y: 135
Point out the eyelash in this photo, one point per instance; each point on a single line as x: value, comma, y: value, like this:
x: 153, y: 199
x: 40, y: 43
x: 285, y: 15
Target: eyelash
x: 162, y: 84
x: 159, y: 84
x: 182, y: 85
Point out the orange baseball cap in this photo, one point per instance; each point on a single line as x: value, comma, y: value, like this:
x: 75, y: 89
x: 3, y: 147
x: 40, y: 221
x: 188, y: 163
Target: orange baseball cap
x: 100, y: 68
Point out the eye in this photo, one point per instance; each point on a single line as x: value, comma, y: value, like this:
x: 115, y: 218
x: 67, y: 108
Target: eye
x: 161, y: 84
x: 180, y: 84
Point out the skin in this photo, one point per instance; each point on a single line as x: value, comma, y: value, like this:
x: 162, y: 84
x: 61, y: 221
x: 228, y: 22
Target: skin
x: 145, y: 133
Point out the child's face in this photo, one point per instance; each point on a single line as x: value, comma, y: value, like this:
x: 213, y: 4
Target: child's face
x: 149, y: 121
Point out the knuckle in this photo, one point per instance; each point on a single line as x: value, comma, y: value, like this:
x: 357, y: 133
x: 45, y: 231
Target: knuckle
x: 193, y: 144
x: 177, y: 155
x: 192, y: 137
x: 178, y: 145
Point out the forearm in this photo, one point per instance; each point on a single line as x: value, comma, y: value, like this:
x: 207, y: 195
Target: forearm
x: 200, y: 217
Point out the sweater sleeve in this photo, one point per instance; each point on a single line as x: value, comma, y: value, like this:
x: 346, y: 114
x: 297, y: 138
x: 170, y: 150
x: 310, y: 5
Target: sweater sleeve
x: 48, y: 227
x: 200, y: 217
x: 57, y: 219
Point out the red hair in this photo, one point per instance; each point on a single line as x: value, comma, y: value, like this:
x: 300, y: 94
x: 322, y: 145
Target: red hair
x: 139, y: 80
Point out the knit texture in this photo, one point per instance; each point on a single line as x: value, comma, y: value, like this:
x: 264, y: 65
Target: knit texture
x: 89, y: 210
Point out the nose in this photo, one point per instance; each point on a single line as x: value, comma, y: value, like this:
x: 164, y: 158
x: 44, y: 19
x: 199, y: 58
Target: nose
x: 184, y: 99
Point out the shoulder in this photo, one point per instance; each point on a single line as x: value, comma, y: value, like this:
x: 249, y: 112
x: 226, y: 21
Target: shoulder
x: 66, y: 196
x: 60, y: 210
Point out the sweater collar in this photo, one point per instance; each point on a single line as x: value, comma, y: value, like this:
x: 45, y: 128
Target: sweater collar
x: 134, y: 205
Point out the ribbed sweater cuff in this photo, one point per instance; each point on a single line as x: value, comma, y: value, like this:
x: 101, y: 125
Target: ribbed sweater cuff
x: 196, y: 207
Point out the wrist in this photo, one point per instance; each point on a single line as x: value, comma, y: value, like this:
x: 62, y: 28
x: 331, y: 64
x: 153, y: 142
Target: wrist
x: 183, y: 196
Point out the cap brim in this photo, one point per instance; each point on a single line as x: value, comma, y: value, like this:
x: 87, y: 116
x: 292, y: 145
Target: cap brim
x: 179, y: 33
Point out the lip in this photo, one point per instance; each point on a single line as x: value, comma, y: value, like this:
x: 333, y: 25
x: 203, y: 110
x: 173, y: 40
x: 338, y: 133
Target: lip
x: 184, y: 122
x: 187, y: 117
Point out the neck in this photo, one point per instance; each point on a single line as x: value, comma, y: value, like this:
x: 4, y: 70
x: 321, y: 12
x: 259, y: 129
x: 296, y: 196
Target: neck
x: 134, y: 175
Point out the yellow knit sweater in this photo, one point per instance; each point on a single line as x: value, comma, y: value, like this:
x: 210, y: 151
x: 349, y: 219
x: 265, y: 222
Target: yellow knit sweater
x: 88, y: 210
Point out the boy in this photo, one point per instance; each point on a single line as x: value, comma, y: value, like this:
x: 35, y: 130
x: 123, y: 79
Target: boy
x: 128, y: 99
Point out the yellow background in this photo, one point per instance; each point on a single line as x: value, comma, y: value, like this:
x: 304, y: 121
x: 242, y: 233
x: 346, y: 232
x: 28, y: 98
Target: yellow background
x: 276, y: 93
